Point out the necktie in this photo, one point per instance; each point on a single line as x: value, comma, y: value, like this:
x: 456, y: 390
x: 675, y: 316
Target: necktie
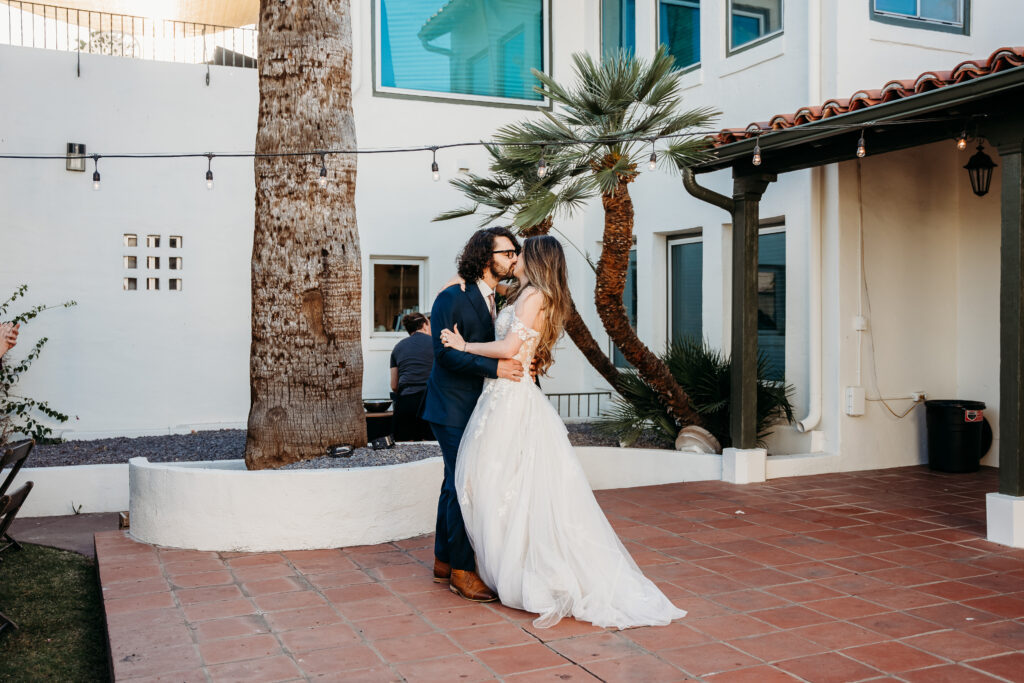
x: 490, y: 306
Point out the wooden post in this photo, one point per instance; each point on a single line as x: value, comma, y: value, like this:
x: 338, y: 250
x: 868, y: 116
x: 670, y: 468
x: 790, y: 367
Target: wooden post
x: 746, y: 194
x: 1011, y: 322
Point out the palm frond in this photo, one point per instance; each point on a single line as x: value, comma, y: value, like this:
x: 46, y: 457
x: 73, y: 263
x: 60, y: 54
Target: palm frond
x: 455, y: 213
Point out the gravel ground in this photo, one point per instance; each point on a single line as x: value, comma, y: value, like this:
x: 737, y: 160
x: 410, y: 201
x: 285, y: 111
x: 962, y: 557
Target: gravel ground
x: 229, y: 444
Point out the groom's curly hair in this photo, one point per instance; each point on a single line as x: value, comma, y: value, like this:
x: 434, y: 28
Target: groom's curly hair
x: 476, y: 255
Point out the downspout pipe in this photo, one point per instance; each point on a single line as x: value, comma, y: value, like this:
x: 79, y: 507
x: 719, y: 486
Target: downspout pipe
x: 704, y: 194
x: 814, y: 297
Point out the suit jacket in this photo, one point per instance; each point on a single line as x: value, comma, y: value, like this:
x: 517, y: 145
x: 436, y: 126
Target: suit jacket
x: 457, y: 378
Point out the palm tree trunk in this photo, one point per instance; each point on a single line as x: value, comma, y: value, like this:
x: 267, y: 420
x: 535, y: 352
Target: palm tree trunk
x: 306, y: 365
x: 611, y: 282
x: 576, y: 328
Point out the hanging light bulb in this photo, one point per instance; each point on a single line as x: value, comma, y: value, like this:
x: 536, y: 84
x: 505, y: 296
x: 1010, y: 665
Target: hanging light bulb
x: 435, y: 170
x: 961, y: 142
x: 861, y: 149
x: 323, y: 170
x: 96, y: 172
x: 542, y: 165
x: 209, y: 172
x: 653, y: 163
x: 757, y: 153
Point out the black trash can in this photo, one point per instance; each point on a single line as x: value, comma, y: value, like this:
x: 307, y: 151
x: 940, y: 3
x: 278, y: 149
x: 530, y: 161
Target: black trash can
x: 955, y: 435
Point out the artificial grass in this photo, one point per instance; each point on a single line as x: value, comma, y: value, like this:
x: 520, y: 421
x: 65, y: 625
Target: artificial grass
x: 54, y: 598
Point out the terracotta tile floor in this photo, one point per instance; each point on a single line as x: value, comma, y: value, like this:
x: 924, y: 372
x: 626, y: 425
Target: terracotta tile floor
x: 856, y: 576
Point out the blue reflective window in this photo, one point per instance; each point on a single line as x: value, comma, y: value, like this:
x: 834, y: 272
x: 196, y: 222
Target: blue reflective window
x: 679, y: 29
x: 629, y: 300
x: 945, y: 11
x: 752, y: 19
x: 771, y: 302
x: 482, y: 48
x: 686, y: 293
x: 618, y: 25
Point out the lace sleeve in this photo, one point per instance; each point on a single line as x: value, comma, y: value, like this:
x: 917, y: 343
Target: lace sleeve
x: 522, y: 331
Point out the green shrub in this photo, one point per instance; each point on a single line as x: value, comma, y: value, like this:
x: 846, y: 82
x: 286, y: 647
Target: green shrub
x: 704, y: 374
x: 21, y: 414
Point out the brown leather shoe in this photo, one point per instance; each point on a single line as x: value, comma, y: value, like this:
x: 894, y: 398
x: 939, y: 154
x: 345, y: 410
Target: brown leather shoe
x: 468, y: 585
x: 442, y: 571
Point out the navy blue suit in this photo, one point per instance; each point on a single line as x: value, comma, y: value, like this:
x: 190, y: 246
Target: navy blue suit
x: 452, y: 391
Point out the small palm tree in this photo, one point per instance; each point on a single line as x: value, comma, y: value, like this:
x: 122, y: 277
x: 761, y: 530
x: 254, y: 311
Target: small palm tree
x: 514, y: 189
x: 607, y: 123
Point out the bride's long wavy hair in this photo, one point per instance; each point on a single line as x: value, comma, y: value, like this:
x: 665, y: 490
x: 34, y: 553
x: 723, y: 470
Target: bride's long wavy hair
x: 544, y: 267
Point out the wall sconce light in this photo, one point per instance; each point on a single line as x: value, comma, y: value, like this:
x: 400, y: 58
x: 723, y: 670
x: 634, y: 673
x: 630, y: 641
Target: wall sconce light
x: 76, y: 157
x: 979, y: 168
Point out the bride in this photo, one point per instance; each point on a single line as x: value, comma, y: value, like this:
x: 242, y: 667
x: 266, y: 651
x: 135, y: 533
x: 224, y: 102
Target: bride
x: 541, y: 540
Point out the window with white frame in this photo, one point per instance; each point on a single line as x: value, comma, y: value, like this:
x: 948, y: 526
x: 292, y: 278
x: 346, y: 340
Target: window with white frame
x: 771, y: 299
x: 752, y: 20
x: 618, y: 26
x: 398, y: 287
x: 939, y: 15
x: 629, y: 300
x: 679, y: 30
x: 470, y: 49
x: 686, y: 289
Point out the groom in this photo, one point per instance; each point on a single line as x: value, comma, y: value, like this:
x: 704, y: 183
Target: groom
x: 454, y: 386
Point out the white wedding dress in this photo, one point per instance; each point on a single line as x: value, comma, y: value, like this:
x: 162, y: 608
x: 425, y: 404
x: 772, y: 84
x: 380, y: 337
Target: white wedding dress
x: 541, y: 540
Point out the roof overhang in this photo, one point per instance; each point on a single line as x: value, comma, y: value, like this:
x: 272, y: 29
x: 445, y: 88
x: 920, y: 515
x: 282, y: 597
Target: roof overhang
x: 977, y: 104
x: 232, y: 13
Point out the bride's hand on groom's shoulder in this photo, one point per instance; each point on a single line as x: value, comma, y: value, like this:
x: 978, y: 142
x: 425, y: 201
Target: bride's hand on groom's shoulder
x: 457, y: 280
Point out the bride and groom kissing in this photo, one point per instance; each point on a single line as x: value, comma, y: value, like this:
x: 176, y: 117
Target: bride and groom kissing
x: 516, y: 517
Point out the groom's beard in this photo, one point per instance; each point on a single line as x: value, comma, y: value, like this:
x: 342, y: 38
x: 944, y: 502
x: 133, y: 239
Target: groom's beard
x: 500, y: 274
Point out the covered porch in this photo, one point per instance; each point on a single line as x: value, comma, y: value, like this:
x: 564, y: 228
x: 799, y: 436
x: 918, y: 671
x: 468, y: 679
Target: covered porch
x: 900, y: 229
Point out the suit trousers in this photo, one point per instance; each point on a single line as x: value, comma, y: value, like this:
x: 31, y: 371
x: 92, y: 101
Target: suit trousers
x: 451, y: 544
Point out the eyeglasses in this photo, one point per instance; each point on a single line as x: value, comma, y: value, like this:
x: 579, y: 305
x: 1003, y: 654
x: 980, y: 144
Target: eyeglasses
x: 509, y: 253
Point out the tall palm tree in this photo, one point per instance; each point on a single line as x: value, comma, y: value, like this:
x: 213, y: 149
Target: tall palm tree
x: 306, y: 363
x: 514, y: 189
x: 607, y: 121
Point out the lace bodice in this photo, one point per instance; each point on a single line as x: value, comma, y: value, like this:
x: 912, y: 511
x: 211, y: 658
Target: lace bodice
x: 509, y: 323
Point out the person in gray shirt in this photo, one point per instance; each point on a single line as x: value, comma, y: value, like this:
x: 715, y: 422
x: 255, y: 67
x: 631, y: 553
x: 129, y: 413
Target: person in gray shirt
x: 411, y: 361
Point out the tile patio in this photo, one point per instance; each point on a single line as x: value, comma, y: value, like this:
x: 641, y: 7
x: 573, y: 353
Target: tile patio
x: 880, y: 575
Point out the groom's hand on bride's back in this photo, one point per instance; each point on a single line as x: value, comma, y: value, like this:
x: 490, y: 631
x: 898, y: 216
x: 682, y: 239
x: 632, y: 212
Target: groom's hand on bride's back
x: 509, y: 368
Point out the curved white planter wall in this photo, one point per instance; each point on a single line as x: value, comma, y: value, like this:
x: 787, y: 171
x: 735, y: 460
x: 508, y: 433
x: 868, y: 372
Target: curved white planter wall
x: 222, y: 506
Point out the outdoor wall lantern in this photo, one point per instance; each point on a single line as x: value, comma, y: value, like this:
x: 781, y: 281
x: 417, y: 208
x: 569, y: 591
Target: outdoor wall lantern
x: 76, y: 157
x: 979, y: 168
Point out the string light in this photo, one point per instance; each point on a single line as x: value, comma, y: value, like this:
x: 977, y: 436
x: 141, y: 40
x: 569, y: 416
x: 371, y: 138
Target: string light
x: 861, y: 149
x: 323, y: 170
x: 961, y: 142
x: 434, y: 169
x: 96, y: 172
x: 542, y: 165
x: 209, y: 171
x: 756, y: 161
x: 653, y: 163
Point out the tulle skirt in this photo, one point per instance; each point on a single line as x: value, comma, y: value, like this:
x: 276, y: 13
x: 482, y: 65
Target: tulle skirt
x: 541, y: 540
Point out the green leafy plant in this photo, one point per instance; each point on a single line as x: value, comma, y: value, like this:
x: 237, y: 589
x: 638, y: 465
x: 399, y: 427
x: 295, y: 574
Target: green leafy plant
x: 704, y: 374
x: 21, y: 414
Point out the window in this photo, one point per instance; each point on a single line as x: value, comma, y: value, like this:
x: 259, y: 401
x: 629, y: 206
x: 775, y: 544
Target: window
x: 174, y: 241
x: 130, y: 284
x: 131, y: 240
x: 939, y: 15
x: 152, y: 283
x: 471, y: 50
x: 771, y: 300
x: 679, y: 30
x: 153, y: 262
x: 174, y: 262
x: 618, y: 26
x: 174, y: 284
x: 751, y: 20
x: 629, y: 300
x: 153, y: 241
x: 686, y: 292
x: 398, y: 288
x: 131, y: 262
